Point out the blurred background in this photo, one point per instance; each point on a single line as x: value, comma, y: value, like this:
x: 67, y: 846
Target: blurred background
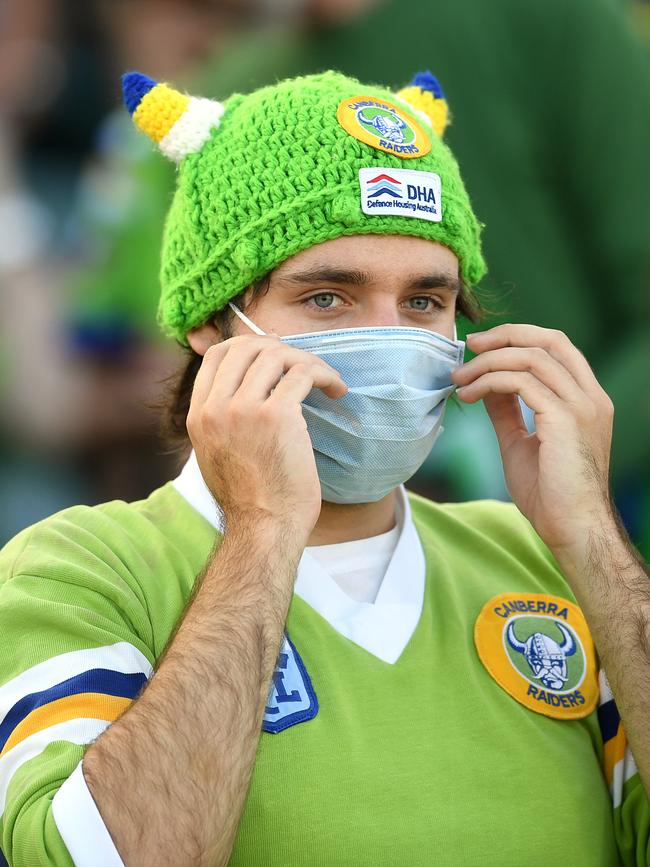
x: 550, y: 102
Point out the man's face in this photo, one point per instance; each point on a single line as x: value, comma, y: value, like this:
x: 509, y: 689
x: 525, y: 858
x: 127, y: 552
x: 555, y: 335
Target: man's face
x: 357, y: 281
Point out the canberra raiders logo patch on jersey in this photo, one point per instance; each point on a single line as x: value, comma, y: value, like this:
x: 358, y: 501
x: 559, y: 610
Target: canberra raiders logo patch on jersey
x: 291, y: 698
x: 539, y: 650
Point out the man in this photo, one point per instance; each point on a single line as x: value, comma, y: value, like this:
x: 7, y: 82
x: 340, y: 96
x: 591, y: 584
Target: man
x: 357, y: 676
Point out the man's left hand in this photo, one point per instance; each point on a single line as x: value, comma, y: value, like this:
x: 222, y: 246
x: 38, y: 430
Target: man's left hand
x: 558, y: 476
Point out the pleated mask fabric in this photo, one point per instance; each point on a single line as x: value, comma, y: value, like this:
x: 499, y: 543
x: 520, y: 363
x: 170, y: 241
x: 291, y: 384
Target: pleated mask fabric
x: 380, y: 432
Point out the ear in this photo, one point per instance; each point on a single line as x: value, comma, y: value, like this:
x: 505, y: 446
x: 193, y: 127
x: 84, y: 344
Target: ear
x: 425, y: 95
x: 203, y: 337
x: 179, y: 124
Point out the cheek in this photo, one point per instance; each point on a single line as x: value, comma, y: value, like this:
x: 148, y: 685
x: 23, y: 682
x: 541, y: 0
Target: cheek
x: 271, y: 317
x: 446, y: 323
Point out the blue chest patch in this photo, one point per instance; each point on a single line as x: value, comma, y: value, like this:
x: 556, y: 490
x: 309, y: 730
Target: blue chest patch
x: 291, y: 698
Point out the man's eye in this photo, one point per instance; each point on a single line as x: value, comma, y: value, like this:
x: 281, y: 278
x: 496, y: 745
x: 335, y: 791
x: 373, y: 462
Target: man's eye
x: 421, y: 303
x: 324, y: 300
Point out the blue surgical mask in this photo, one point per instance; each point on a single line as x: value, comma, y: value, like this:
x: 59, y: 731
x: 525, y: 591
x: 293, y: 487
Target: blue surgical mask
x: 376, y: 436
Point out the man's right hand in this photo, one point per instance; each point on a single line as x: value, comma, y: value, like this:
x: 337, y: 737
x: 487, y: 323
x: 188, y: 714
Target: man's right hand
x: 246, y: 425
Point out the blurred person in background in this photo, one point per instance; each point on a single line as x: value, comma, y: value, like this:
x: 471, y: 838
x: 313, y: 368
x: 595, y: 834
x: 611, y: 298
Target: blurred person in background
x: 551, y: 100
x: 280, y: 657
x: 78, y: 378
x: 51, y: 97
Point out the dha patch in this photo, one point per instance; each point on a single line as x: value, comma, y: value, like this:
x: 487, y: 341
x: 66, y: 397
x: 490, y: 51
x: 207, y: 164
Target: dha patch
x: 401, y: 193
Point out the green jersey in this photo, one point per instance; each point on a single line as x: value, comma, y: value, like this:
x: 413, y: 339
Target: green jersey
x: 452, y: 722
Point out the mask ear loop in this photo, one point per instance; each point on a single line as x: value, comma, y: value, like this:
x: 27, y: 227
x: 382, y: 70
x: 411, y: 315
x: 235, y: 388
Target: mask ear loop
x: 253, y: 327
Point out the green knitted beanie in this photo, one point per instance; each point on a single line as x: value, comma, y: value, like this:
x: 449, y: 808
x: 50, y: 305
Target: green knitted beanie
x: 266, y: 175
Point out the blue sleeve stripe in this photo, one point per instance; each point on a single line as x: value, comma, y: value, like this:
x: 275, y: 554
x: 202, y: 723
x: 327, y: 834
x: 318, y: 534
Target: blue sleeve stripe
x: 100, y: 680
x: 608, y: 719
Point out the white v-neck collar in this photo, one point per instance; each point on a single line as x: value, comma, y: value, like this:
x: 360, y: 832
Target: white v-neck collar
x: 383, y: 628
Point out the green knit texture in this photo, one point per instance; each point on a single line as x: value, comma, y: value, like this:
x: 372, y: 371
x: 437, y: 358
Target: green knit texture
x: 278, y: 176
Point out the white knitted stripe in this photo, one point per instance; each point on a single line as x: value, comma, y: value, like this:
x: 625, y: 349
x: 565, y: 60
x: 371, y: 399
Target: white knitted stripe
x: 192, y: 129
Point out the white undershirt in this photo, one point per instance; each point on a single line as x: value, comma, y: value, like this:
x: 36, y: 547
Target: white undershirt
x: 358, y: 567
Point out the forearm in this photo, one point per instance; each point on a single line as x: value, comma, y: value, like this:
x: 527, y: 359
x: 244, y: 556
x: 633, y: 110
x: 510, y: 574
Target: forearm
x: 171, y: 775
x: 612, y: 586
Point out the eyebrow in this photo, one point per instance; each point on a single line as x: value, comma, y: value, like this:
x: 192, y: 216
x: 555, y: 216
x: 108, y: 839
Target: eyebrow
x: 353, y: 277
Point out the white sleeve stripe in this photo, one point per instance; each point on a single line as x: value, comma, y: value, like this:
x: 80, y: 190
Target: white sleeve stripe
x: 624, y: 770
x: 122, y: 657
x: 616, y: 787
x: 77, y: 731
x: 81, y: 826
x: 606, y: 693
x: 630, y: 768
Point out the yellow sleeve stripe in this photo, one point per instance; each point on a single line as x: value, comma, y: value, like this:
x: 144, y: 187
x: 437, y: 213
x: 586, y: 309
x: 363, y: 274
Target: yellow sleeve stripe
x: 159, y: 110
x: 94, y: 705
x: 613, y: 752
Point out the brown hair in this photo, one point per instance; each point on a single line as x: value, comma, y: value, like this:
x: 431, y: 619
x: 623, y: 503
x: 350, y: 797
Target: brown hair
x: 178, y: 392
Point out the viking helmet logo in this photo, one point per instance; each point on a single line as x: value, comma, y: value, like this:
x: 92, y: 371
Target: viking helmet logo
x: 546, y: 658
x: 389, y: 127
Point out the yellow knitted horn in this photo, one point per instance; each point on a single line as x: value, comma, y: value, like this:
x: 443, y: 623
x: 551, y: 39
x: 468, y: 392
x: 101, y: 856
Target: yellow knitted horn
x: 178, y: 123
x: 426, y: 96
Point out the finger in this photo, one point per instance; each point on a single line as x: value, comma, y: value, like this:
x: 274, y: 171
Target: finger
x: 506, y: 416
x: 205, y: 376
x: 271, y: 364
x: 538, y: 397
x: 301, y: 378
x: 213, y: 361
x: 533, y: 359
x: 242, y: 352
x: 556, y: 343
